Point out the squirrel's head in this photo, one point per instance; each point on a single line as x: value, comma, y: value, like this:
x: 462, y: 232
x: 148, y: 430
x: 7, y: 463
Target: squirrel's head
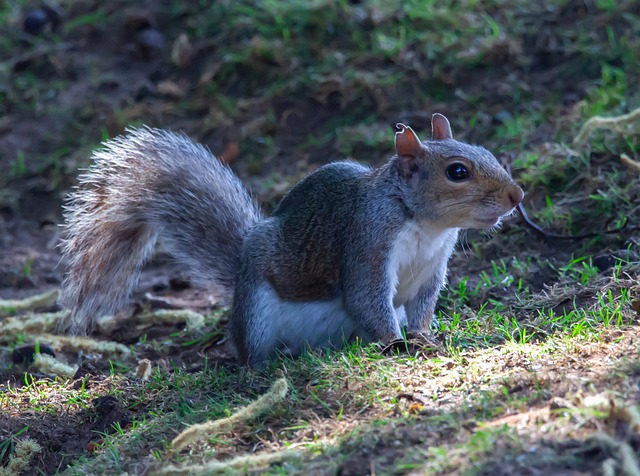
x: 454, y: 184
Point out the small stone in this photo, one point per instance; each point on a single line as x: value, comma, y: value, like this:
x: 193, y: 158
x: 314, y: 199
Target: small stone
x: 85, y: 375
x: 25, y: 355
x: 149, y: 41
x: 502, y: 117
x: 36, y: 21
x: 608, y: 259
x: 105, y: 404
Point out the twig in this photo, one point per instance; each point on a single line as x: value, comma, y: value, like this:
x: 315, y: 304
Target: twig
x: 192, y: 319
x: 266, y: 402
x: 50, y: 365
x: 31, y: 323
x: 626, y: 160
x: 547, y: 234
x: 240, y: 465
x: 9, y: 307
x: 618, y: 124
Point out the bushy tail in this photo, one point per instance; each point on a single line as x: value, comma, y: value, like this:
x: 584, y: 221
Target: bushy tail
x: 149, y: 184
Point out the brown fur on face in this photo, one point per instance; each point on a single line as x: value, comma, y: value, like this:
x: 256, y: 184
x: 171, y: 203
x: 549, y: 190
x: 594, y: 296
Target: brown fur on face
x: 478, y: 201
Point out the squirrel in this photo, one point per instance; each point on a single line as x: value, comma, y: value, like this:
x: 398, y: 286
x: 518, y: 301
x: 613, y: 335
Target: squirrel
x: 350, y: 251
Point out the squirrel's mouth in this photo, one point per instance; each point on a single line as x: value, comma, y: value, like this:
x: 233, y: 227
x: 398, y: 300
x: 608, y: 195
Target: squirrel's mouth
x: 488, y: 221
x: 491, y: 219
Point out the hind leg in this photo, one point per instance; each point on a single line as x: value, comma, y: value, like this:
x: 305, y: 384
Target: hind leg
x: 264, y: 325
x: 251, y: 327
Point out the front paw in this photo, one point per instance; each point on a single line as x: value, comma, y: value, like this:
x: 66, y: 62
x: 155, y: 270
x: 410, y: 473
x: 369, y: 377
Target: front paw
x: 435, y: 323
x: 413, y: 343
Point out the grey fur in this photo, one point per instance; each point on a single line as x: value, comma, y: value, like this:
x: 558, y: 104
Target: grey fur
x: 420, y: 309
x: 350, y: 251
x: 149, y: 184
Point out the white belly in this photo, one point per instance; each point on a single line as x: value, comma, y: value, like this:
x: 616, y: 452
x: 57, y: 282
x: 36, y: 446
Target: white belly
x: 300, y: 324
x: 418, y: 253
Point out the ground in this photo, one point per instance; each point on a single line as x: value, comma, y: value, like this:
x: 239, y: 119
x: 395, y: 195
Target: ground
x: 534, y: 368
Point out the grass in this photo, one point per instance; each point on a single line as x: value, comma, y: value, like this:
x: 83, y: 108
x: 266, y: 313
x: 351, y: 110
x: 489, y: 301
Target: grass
x: 397, y: 411
x: 529, y: 328
x: 346, y: 402
x: 370, y: 60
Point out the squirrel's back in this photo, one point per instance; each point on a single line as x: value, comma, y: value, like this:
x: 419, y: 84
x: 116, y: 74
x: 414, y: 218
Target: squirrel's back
x: 146, y: 185
x: 330, y: 181
x: 309, y: 259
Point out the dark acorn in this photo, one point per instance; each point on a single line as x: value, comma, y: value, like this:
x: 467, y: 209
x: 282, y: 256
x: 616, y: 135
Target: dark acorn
x: 36, y: 21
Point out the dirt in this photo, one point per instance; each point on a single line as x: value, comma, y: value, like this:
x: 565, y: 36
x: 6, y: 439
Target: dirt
x: 112, y: 72
x: 533, y: 451
x: 65, y: 434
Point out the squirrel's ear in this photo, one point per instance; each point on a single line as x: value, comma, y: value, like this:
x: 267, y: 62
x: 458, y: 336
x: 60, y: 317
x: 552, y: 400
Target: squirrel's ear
x: 407, y: 142
x: 440, y: 127
x: 408, y: 148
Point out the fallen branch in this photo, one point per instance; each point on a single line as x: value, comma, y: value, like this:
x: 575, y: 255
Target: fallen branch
x: 243, y: 464
x: 622, y: 420
x: 9, y: 307
x: 621, y: 125
x: 622, y: 456
x: 50, y: 365
x: 39, y: 322
x: 87, y: 344
x: 192, y: 319
x: 266, y: 402
x: 626, y: 160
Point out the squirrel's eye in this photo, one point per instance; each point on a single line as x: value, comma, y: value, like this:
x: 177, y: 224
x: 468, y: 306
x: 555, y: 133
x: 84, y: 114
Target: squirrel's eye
x: 457, y: 172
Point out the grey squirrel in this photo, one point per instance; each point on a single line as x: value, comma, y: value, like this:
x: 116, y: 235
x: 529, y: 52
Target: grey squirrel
x: 349, y: 251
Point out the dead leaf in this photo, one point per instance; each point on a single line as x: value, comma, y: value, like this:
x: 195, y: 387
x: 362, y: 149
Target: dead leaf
x: 171, y: 89
x: 94, y: 446
x: 209, y: 73
x: 230, y: 153
x: 181, y: 51
x: 143, y: 372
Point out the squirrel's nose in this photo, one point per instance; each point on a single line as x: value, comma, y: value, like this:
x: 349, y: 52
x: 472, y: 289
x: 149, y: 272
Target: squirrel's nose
x: 515, y: 195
